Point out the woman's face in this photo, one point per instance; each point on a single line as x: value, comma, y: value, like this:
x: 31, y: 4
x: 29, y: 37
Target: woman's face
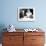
x: 28, y: 10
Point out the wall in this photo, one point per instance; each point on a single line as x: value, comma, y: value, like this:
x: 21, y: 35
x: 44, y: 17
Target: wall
x: 8, y: 13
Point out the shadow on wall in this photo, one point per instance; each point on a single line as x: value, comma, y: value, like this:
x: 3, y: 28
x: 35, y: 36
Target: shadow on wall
x: 2, y: 26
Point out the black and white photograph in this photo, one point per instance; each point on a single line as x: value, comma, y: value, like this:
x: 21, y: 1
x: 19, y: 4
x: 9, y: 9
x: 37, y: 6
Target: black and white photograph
x: 26, y: 14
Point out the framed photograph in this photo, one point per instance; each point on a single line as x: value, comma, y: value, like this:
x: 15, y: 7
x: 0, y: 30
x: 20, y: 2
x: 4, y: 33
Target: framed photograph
x: 26, y: 14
